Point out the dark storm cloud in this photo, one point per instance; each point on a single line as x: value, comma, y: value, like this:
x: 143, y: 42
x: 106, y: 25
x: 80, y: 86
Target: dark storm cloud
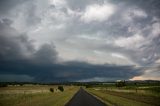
x: 7, y: 5
x: 16, y: 46
x: 114, y: 25
x: 150, y: 6
x: 12, y: 44
x: 73, y: 71
x: 19, y: 59
x: 25, y: 23
x: 74, y: 4
x: 25, y: 8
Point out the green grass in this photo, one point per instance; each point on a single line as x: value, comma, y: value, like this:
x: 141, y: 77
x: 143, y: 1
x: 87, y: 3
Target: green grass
x: 125, y: 99
x: 141, y: 90
x: 35, y: 99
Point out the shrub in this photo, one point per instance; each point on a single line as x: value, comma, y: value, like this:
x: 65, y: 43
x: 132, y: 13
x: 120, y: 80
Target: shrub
x: 61, y: 88
x: 51, y: 90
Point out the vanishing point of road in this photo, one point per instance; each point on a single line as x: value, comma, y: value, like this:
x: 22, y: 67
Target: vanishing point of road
x: 83, y: 98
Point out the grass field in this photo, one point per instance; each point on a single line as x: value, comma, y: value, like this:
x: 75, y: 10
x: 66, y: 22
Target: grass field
x: 128, y: 95
x: 35, y: 95
x: 40, y: 95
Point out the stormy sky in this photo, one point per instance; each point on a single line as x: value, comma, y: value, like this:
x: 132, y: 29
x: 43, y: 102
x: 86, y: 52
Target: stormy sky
x: 79, y: 40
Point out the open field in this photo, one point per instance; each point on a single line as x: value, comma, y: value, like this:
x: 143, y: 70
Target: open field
x: 36, y: 95
x: 140, y: 94
x: 127, y: 95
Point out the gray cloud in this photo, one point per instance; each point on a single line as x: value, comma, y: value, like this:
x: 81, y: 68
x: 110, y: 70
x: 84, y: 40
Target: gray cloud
x: 129, y: 37
x: 41, y: 65
x: 7, y: 5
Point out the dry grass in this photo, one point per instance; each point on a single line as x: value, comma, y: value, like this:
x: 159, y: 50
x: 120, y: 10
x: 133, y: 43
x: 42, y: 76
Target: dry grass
x: 35, y: 96
x: 125, y: 99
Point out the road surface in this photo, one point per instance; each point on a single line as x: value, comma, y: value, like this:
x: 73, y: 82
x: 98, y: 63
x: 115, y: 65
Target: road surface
x: 83, y: 98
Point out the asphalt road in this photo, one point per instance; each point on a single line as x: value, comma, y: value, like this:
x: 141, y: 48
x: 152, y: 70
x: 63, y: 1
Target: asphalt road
x: 83, y: 98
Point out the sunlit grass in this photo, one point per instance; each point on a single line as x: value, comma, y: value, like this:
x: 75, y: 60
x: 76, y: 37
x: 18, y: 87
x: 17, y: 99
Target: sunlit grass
x: 44, y: 98
x: 113, y: 100
x: 128, y: 95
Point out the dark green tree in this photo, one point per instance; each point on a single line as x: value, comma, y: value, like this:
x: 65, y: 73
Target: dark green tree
x: 61, y: 88
x: 120, y: 83
x: 51, y: 90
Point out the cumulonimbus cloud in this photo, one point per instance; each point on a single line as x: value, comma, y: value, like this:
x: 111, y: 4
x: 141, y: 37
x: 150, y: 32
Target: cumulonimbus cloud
x: 92, y: 40
x: 42, y: 65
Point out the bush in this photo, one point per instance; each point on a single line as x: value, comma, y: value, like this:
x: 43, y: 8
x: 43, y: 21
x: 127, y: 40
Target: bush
x: 61, y: 88
x: 51, y: 90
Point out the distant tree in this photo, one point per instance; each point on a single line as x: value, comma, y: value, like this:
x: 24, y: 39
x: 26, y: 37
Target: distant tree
x: 61, y: 88
x: 3, y: 85
x: 21, y: 84
x: 120, y: 83
x: 88, y: 86
x: 135, y: 83
x: 51, y: 90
